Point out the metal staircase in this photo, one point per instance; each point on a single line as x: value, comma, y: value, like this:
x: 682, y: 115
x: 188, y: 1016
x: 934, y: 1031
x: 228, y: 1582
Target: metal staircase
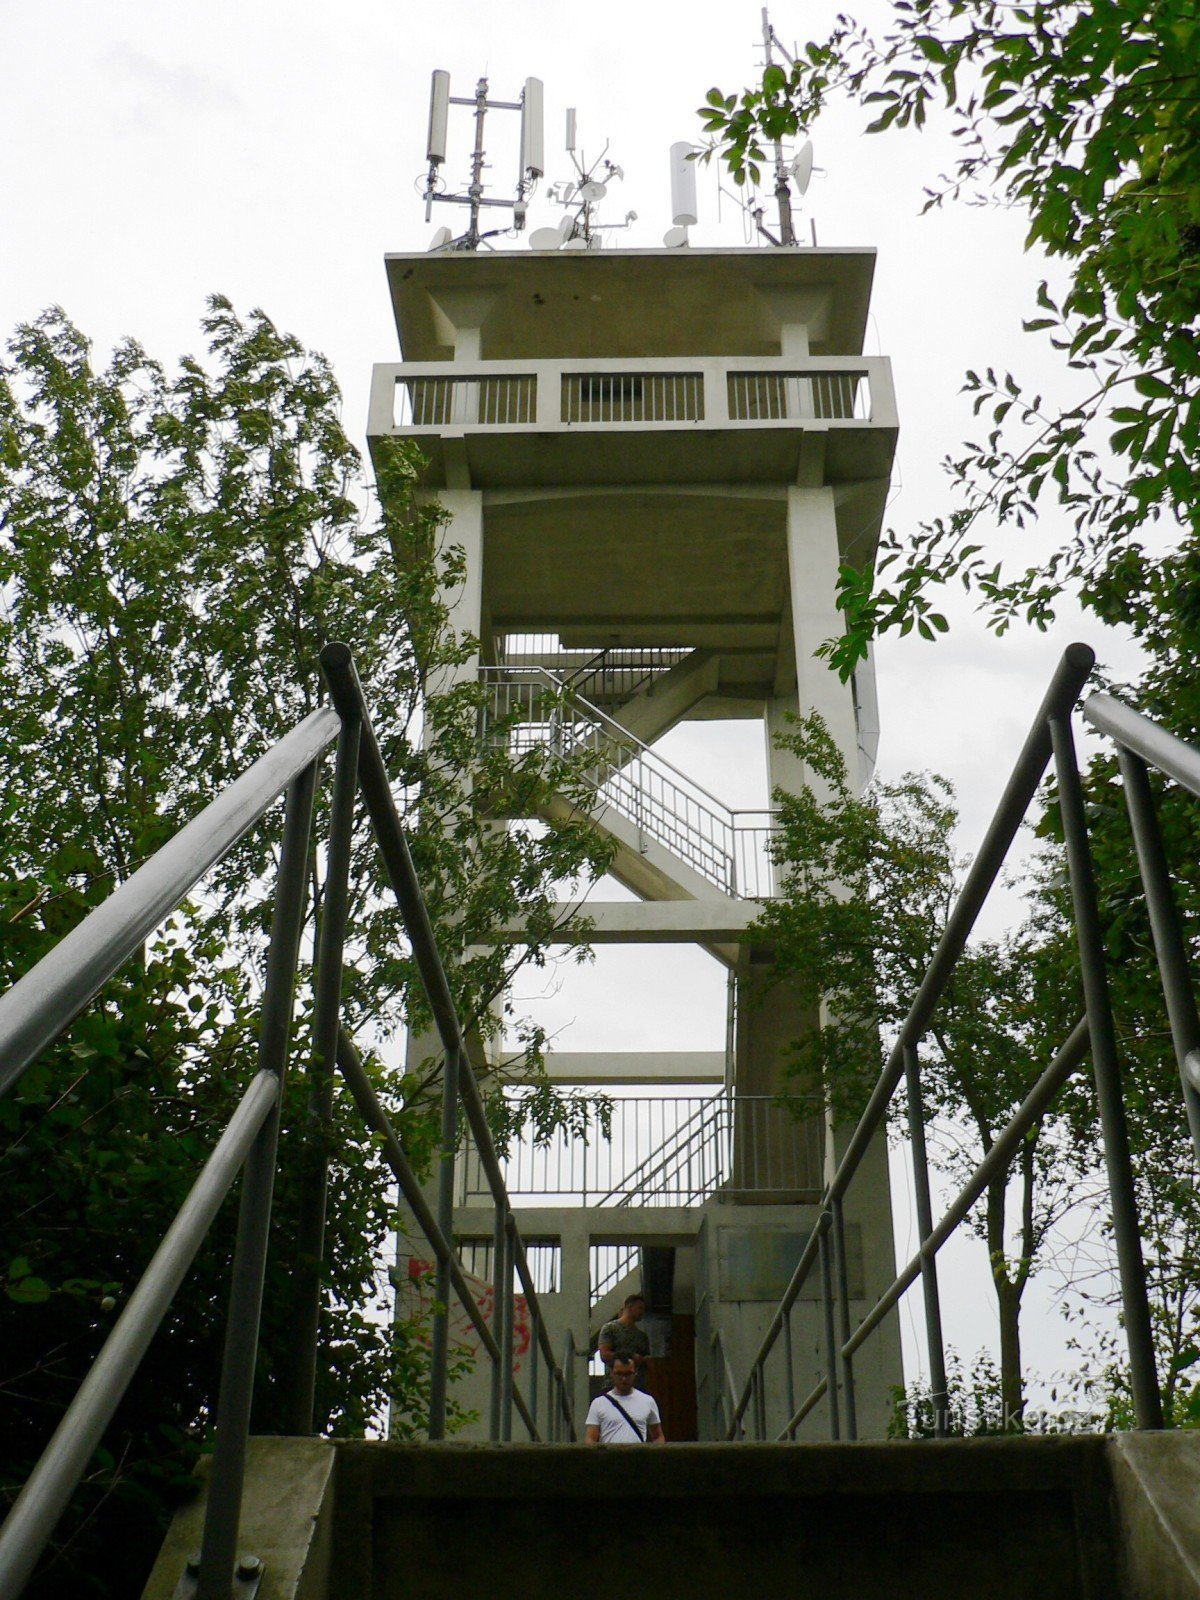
x: 526, y: 707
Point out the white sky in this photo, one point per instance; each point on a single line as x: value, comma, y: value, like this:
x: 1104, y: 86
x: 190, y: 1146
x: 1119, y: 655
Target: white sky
x: 155, y: 152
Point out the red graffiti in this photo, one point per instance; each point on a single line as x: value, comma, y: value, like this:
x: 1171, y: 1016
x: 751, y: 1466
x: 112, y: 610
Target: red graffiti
x: 463, y: 1332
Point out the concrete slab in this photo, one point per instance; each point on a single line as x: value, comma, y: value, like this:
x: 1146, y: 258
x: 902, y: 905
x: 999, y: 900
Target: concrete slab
x: 1157, y: 1482
x: 287, y: 1521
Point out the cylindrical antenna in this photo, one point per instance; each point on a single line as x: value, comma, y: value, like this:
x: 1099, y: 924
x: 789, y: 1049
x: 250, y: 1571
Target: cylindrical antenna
x: 439, y: 117
x: 683, y: 186
x: 571, y: 129
x: 533, y: 151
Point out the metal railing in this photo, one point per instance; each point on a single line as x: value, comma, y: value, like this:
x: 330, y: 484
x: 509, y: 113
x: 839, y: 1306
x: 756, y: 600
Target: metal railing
x: 525, y: 708
x: 1050, y: 740
x: 43, y: 1003
x: 799, y: 396
x: 666, y: 1150
x: 496, y: 401
x: 632, y: 397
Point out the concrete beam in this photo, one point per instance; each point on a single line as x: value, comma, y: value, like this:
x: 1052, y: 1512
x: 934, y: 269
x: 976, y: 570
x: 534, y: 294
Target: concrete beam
x: 612, y: 1067
x: 718, y: 921
x: 663, y: 1225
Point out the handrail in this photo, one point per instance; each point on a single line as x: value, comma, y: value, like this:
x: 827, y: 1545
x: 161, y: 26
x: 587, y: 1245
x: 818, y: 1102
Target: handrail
x: 52, y: 994
x: 47, y: 999
x: 1049, y: 738
x: 1155, y: 745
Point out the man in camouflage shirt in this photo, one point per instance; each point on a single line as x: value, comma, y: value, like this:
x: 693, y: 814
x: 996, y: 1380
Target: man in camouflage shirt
x: 623, y: 1337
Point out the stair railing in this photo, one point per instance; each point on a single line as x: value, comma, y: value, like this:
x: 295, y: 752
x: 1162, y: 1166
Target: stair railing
x: 1050, y: 739
x: 46, y: 999
x: 527, y: 707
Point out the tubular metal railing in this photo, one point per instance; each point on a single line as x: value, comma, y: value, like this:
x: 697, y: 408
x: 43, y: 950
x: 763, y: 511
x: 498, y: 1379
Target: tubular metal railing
x: 665, y: 1150
x: 1140, y: 743
x: 42, y: 1004
x: 526, y: 708
x: 494, y: 401
x: 799, y: 396
x: 632, y: 397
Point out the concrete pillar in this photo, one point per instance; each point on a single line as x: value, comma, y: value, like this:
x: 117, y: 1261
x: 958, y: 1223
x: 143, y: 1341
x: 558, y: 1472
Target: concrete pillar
x: 813, y: 559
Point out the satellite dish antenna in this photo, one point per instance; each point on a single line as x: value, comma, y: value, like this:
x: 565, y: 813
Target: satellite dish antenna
x: 575, y: 244
x: 545, y: 239
x: 674, y: 237
x: 440, y: 239
x: 802, y: 166
x: 593, y: 191
x: 683, y: 186
x: 565, y: 225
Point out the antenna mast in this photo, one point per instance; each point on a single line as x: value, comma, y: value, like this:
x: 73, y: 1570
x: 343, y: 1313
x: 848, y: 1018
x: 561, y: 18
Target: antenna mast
x: 532, y: 159
x: 783, y: 194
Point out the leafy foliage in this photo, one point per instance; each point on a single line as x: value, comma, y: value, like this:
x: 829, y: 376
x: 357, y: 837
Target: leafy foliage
x: 868, y: 885
x: 176, y: 548
x: 1084, y: 117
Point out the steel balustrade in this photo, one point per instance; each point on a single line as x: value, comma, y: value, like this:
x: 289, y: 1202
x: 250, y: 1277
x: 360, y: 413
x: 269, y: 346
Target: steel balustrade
x: 665, y: 1150
x: 44, y: 1002
x: 528, y: 708
x: 1141, y: 744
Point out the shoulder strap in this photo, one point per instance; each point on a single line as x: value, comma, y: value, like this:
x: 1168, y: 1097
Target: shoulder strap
x: 613, y: 1401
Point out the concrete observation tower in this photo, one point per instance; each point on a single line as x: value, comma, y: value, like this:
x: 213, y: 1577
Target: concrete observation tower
x: 654, y: 460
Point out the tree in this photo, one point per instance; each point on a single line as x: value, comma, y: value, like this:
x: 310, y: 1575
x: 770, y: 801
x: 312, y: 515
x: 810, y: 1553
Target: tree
x: 1084, y: 117
x: 176, y: 548
x: 868, y: 883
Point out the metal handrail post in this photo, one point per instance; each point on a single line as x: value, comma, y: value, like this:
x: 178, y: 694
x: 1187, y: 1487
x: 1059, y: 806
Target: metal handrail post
x: 223, y: 1514
x: 327, y: 1007
x: 439, y: 1365
x: 535, y: 1331
x: 788, y: 1364
x: 929, y: 1275
x: 505, y: 1336
x: 1169, y: 946
x: 842, y: 1281
x: 831, y: 1365
x: 1106, y: 1068
x: 499, y: 1250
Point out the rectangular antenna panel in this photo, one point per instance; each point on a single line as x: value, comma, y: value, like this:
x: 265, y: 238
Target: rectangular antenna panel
x: 571, y: 128
x: 683, y: 186
x: 533, y: 144
x: 439, y: 117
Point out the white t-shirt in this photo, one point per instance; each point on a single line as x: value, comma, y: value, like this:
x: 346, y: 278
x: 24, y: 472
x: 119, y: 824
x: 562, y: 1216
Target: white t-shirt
x: 614, y: 1429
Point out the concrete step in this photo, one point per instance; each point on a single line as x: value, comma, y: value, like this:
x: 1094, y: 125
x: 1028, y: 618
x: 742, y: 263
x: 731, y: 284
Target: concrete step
x: 1062, y: 1518
x: 964, y: 1520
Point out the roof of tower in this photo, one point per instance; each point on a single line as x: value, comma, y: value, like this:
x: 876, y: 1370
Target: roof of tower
x: 614, y: 303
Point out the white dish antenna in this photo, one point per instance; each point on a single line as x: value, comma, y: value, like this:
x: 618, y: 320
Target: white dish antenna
x: 592, y: 191
x: 674, y: 237
x: 683, y: 187
x: 574, y: 244
x: 545, y: 239
x: 802, y: 167
x: 440, y: 239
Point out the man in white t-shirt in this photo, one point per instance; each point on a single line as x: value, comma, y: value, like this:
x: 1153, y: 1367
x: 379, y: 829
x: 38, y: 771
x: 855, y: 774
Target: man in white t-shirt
x: 624, y: 1415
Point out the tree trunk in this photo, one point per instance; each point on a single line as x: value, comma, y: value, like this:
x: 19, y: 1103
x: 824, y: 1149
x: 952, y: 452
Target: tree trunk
x: 1012, y: 1395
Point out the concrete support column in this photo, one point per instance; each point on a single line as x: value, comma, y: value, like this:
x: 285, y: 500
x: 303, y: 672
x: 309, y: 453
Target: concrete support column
x: 813, y: 559
x: 576, y: 1298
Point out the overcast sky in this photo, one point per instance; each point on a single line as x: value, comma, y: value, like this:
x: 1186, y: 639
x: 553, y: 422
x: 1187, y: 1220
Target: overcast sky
x: 155, y: 152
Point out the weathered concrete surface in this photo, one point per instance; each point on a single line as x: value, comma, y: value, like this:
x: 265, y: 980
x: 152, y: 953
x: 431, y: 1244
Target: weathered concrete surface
x: 1021, y: 1519
x: 287, y: 1521
x: 1157, y: 1482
